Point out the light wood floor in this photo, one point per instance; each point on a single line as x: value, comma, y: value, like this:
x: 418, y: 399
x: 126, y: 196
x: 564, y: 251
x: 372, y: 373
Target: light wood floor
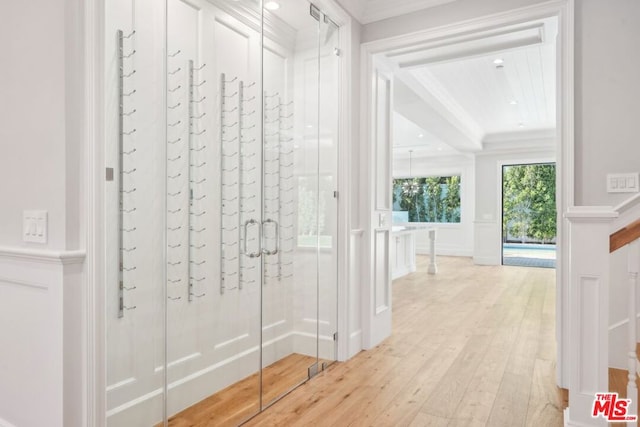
x: 239, y: 401
x: 471, y: 346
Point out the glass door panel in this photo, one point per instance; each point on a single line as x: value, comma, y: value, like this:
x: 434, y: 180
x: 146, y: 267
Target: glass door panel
x: 221, y: 132
x: 214, y: 170
x: 327, y: 188
x: 289, y: 293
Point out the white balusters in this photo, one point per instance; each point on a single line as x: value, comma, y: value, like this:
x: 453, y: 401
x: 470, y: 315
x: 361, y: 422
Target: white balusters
x: 633, y: 267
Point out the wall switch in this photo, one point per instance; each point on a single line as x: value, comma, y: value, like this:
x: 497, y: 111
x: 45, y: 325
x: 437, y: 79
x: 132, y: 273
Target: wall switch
x: 623, y: 182
x: 34, y: 226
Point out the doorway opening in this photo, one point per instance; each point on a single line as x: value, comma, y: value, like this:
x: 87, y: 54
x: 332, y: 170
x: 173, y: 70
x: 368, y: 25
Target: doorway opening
x: 529, y: 215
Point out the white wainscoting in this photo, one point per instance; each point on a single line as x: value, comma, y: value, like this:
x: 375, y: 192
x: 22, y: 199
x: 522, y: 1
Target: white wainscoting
x: 42, y: 337
x: 486, y: 242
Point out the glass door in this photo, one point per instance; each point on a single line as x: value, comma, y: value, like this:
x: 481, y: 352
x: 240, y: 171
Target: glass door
x: 329, y: 87
x: 215, y: 225
x: 289, y: 310
x: 221, y: 122
x: 300, y: 181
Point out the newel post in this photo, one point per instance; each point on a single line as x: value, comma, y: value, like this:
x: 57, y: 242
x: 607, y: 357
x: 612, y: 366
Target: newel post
x: 588, y: 248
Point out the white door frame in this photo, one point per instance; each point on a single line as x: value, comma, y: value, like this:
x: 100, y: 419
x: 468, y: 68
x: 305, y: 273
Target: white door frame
x: 564, y: 11
x: 94, y: 368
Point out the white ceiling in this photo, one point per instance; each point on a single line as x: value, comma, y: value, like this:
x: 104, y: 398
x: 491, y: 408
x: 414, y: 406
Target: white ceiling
x: 455, y: 93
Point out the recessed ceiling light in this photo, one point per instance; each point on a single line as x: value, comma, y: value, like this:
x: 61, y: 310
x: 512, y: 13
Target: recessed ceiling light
x: 272, y: 5
x: 513, y: 102
x: 420, y: 135
x: 521, y: 125
x: 498, y: 61
x: 309, y: 126
x: 439, y: 148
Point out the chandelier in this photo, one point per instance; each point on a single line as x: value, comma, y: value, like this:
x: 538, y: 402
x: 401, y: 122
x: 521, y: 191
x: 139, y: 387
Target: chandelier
x: 410, y: 187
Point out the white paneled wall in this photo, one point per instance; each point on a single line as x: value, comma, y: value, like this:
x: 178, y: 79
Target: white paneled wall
x: 40, y: 309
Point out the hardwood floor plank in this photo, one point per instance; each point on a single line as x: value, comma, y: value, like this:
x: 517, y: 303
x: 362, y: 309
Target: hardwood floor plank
x: 423, y: 420
x: 471, y: 346
x: 510, y: 406
x: 545, y: 407
x: 412, y: 394
x: 236, y: 403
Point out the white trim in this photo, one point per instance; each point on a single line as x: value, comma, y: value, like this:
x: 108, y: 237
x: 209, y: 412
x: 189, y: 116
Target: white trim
x: 628, y: 204
x: 621, y: 323
x: 590, y: 214
x: 345, y: 22
x: 43, y: 256
x: 5, y: 423
x: 565, y: 148
x: 565, y: 175
x: 569, y: 423
x: 95, y: 395
x: 23, y: 283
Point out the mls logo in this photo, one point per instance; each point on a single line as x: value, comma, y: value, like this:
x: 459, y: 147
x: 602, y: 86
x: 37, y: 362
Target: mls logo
x: 611, y: 408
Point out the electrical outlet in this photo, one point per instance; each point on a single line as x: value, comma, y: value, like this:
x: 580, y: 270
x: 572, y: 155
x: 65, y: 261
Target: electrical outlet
x: 34, y: 226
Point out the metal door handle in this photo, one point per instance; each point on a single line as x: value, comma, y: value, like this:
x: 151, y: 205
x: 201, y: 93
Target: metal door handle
x: 246, y: 228
x: 277, y: 237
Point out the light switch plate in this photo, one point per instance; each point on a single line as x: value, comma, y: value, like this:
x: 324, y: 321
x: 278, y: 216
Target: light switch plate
x: 34, y: 226
x: 623, y: 182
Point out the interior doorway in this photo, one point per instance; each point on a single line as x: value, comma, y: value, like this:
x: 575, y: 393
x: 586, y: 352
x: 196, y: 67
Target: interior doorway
x: 529, y: 215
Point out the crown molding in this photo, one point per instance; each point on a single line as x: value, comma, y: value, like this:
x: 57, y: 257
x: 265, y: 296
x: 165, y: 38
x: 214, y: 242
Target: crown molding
x: 377, y: 10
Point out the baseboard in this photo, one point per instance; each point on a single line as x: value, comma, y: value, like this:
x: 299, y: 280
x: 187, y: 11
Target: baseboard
x: 569, y: 423
x: 355, y: 343
x: 198, y: 385
x: 5, y: 423
x: 446, y: 251
x: 487, y: 260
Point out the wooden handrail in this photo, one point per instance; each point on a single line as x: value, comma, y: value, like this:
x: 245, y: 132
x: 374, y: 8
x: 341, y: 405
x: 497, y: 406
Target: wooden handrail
x: 624, y: 236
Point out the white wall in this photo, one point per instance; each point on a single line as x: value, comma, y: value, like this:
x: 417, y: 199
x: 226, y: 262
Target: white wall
x: 452, y: 239
x: 607, y: 93
x: 41, y: 167
x: 40, y: 132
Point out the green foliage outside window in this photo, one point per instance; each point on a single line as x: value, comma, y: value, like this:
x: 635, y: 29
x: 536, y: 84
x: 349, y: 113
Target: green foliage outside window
x: 529, y: 202
x: 437, y: 199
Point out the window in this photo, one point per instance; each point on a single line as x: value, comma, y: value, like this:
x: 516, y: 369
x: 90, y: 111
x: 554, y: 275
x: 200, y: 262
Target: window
x: 433, y: 199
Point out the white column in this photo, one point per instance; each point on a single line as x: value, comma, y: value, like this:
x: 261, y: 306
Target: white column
x: 633, y: 267
x: 588, y: 344
x: 433, y: 268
